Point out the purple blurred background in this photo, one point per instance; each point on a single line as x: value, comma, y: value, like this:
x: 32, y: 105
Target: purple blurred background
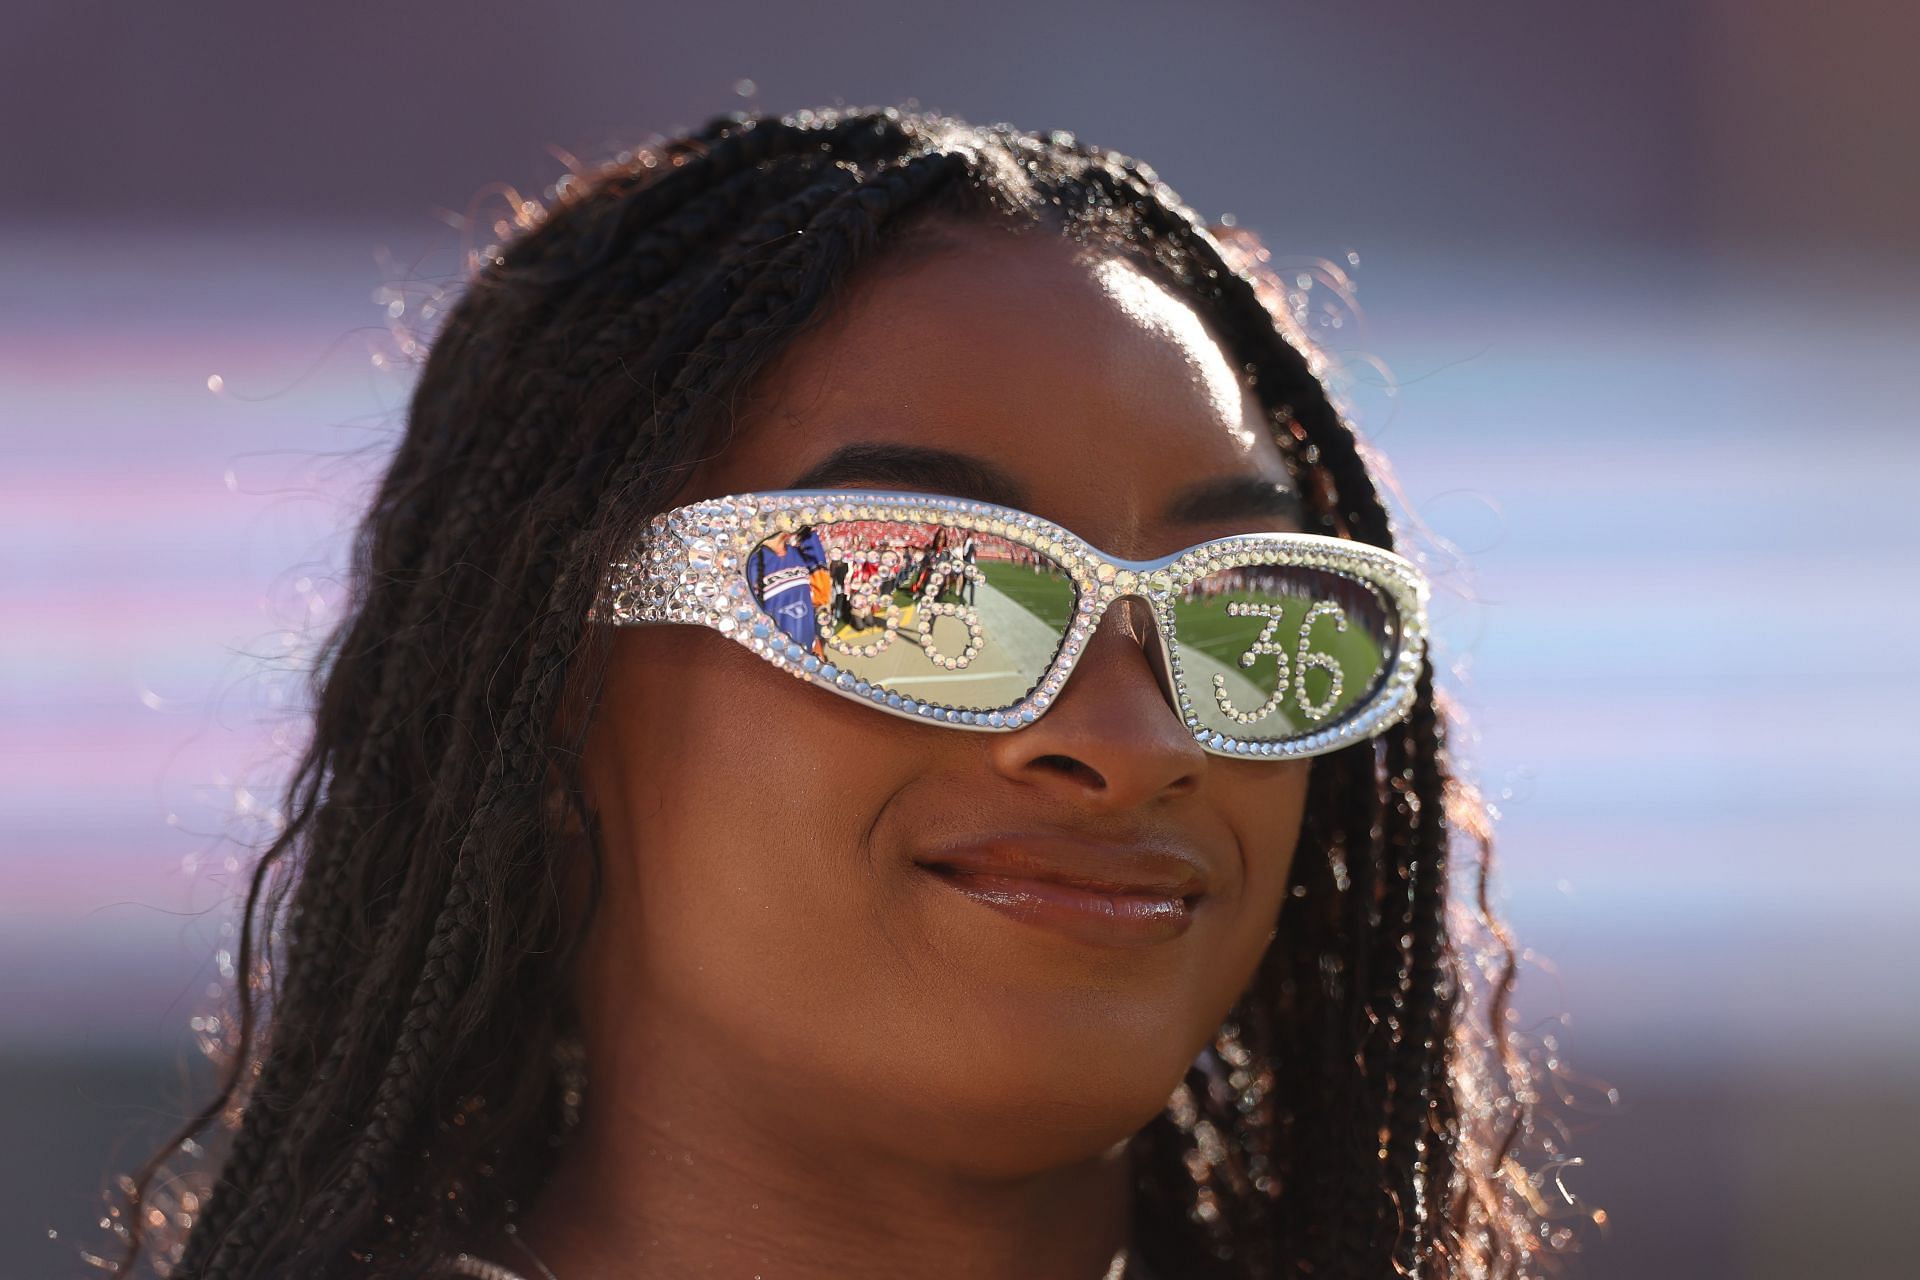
x: 1638, y: 285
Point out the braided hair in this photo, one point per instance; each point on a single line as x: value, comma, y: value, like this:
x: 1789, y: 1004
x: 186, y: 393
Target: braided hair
x: 1356, y: 1115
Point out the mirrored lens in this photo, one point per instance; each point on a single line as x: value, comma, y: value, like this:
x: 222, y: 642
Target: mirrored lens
x: 1270, y: 652
x: 944, y: 615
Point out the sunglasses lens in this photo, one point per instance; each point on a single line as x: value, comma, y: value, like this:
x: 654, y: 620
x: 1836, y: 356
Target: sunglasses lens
x: 1275, y: 652
x: 948, y: 616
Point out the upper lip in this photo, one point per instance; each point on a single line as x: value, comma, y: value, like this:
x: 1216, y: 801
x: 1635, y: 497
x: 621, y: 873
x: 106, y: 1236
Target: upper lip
x: 1139, y: 866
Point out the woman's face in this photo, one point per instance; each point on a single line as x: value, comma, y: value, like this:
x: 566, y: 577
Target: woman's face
x: 768, y: 924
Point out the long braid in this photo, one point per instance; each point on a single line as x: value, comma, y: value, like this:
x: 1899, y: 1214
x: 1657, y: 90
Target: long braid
x: 1424, y: 1027
x: 1406, y: 866
x: 575, y: 383
x: 314, y: 924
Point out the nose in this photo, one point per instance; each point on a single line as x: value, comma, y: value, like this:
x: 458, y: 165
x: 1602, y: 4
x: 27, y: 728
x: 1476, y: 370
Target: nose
x: 1111, y: 736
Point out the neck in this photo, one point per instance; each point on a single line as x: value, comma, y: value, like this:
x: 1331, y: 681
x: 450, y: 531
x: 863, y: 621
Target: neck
x: 672, y: 1175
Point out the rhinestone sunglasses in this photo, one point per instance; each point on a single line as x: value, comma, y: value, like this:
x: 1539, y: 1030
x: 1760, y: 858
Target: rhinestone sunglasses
x: 971, y: 615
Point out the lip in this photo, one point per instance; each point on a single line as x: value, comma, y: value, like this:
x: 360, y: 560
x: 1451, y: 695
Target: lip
x: 1100, y: 892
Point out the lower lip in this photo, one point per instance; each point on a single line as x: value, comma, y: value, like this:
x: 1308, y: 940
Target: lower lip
x: 1090, y: 915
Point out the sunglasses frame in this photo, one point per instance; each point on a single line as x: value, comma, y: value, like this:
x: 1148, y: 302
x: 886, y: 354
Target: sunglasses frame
x: 689, y: 566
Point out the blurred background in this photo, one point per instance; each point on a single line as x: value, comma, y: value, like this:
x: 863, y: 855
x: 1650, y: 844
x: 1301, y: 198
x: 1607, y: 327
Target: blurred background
x: 1636, y: 327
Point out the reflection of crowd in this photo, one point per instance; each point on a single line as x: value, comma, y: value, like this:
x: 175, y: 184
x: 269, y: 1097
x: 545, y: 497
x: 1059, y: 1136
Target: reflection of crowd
x: 1356, y: 599
x: 874, y: 561
x: 847, y: 575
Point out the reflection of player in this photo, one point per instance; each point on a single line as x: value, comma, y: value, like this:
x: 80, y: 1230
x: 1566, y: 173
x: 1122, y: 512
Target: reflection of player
x: 863, y: 589
x: 780, y: 571
x: 923, y: 569
x: 966, y: 578
x: 839, y: 597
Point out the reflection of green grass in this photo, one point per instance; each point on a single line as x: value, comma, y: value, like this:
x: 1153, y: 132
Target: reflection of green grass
x: 1208, y: 627
x: 1046, y: 598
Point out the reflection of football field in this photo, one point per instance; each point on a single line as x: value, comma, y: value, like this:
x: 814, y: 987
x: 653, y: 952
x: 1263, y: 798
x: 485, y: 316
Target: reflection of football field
x: 1046, y: 597
x: 1213, y: 641
x: 1022, y: 614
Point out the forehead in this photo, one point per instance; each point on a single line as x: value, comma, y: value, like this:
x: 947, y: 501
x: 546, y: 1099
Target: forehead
x: 1097, y: 391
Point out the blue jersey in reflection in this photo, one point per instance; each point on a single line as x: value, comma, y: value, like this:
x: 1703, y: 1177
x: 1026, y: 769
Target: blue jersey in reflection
x: 781, y: 582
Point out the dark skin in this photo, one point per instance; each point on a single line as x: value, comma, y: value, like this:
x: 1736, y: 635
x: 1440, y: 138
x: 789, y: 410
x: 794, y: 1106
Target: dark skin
x: 808, y: 1057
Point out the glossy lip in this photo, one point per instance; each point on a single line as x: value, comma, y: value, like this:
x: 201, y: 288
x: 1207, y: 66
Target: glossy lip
x: 1099, y: 892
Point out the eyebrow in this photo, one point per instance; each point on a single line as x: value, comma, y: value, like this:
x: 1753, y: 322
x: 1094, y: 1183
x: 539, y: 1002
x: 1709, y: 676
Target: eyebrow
x: 1232, y: 497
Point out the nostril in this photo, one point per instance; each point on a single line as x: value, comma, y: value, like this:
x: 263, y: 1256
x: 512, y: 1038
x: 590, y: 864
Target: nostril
x: 1070, y: 767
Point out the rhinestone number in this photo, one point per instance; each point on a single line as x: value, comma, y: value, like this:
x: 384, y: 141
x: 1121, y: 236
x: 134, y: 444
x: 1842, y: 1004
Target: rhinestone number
x: 927, y: 609
x: 1324, y: 661
x: 1264, y: 645
x: 931, y: 607
x: 1304, y: 658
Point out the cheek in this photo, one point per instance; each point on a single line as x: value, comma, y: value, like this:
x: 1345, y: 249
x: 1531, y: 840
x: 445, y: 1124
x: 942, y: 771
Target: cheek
x: 737, y: 866
x: 1274, y: 806
x: 1266, y: 803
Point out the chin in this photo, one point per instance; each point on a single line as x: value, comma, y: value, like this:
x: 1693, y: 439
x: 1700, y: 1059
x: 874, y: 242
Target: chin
x: 1011, y: 1105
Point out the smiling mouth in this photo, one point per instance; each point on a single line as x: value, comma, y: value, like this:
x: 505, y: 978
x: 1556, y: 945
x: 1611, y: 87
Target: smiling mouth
x: 1084, y: 884
x: 1100, y: 914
